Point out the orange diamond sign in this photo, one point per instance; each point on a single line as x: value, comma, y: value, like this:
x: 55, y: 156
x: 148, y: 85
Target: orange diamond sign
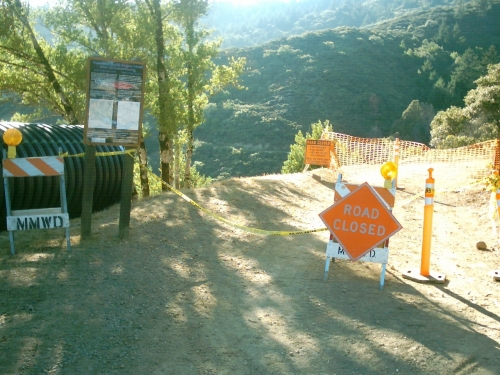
x: 360, y: 221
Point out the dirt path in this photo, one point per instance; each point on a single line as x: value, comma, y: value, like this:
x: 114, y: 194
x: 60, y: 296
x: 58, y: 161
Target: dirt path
x: 187, y: 294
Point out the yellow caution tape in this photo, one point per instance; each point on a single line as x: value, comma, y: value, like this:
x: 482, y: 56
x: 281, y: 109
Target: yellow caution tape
x: 274, y: 233
x: 112, y: 153
x: 437, y: 192
x: 244, y: 228
x: 413, y: 198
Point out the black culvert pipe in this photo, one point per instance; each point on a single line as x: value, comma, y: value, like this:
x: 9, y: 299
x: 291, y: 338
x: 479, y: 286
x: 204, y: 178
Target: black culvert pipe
x: 43, y: 192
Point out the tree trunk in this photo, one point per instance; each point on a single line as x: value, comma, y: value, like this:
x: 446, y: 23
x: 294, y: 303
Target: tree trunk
x: 143, y: 169
x: 177, y: 162
x: 165, y: 158
x: 189, y: 154
x: 166, y: 111
x: 171, y: 158
x: 191, y: 97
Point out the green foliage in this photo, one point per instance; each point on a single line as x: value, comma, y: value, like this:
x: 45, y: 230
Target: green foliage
x: 361, y: 79
x: 251, y: 25
x: 484, y: 101
x: 448, y: 127
x: 478, y: 121
x: 155, y: 183
x: 45, y: 75
x: 414, y: 123
x: 452, y: 52
x: 224, y: 162
x: 166, y: 35
x: 296, y: 157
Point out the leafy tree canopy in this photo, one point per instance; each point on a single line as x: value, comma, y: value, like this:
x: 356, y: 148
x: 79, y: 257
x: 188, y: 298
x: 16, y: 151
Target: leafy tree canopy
x: 478, y: 121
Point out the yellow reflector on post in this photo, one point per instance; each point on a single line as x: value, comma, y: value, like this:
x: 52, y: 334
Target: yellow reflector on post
x: 12, y: 137
x: 389, y: 170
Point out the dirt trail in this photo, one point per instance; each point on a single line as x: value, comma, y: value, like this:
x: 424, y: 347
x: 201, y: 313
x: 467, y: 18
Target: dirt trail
x: 187, y: 294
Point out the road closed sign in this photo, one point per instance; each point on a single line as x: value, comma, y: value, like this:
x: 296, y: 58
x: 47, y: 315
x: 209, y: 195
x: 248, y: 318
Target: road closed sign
x: 360, y: 221
x: 318, y: 152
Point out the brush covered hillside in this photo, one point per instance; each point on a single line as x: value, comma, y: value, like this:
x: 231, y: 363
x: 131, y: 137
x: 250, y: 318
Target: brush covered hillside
x: 244, y: 25
x: 360, y: 79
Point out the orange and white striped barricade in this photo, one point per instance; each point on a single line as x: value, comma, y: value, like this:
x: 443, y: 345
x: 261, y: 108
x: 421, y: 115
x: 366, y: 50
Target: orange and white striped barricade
x: 42, y: 218
x: 379, y: 254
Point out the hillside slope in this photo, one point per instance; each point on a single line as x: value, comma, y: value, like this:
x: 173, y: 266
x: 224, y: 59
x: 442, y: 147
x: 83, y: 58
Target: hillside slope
x: 361, y: 80
x: 244, y: 25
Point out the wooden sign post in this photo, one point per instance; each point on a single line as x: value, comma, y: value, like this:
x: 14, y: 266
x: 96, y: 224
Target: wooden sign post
x: 114, y: 110
x: 126, y: 196
x: 88, y: 192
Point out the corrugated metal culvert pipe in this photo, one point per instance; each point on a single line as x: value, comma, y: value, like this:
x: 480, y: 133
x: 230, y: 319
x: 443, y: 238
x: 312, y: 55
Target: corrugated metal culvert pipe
x: 43, y: 192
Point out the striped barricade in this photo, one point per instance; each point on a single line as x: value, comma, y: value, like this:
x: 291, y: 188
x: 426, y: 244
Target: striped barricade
x: 379, y: 254
x: 42, y: 218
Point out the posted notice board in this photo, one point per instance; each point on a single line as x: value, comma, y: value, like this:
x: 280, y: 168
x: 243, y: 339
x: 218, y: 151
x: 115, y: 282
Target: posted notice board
x: 115, y: 100
x: 318, y: 152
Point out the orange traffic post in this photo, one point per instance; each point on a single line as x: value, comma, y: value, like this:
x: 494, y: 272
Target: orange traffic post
x: 496, y: 273
x: 498, y: 202
x: 427, y: 232
x: 425, y: 276
x: 396, y: 159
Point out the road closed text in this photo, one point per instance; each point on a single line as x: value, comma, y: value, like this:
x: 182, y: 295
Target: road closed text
x: 358, y: 219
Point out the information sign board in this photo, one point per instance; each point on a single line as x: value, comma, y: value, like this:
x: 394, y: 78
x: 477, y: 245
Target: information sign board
x: 115, y: 99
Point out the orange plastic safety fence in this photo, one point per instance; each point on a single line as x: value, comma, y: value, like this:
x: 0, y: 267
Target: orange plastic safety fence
x: 359, y: 160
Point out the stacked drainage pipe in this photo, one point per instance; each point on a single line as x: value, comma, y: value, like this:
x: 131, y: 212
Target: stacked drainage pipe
x: 43, y: 192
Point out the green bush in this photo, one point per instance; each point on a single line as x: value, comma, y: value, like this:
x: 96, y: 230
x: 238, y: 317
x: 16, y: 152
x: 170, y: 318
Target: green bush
x: 296, y: 157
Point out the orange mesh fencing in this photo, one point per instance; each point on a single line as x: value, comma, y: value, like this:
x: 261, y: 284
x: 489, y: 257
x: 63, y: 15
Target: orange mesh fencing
x: 359, y: 160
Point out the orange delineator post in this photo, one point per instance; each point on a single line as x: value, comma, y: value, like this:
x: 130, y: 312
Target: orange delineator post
x: 498, y: 202
x: 427, y: 225
x: 396, y: 159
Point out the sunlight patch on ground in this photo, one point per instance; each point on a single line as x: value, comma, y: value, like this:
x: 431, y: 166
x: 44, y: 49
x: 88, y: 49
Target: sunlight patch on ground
x: 247, y: 269
x: 28, y: 349
x: 57, y: 358
x: 108, y: 224
x: 203, y: 300
x: 37, y: 257
x: 176, y: 311
x: 278, y: 329
x: 20, y: 277
x: 396, y: 346
x: 219, y: 205
x: 117, y: 269
x: 179, y: 266
x: 63, y: 275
